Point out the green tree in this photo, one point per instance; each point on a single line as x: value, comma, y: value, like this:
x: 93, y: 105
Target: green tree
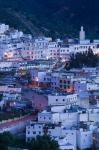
x: 80, y: 60
x: 43, y: 143
x: 6, y: 139
x: 9, y: 140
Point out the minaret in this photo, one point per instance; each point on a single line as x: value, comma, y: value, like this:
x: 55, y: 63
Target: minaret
x: 82, y: 34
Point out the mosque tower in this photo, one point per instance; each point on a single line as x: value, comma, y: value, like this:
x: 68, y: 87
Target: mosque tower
x: 82, y: 34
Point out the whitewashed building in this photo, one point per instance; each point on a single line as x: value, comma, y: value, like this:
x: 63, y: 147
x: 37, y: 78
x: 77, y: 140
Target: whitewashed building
x: 84, y: 139
x: 68, y: 100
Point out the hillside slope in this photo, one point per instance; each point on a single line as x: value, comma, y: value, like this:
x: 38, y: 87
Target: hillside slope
x: 52, y: 17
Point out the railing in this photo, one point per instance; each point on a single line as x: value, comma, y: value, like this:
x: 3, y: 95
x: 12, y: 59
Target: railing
x: 14, y: 119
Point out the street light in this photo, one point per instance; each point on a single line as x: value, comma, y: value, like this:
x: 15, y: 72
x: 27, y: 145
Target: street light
x: 37, y: 80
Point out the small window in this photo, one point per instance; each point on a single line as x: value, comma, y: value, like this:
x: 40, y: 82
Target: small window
x: 60, y: 81
x: 39, y: 132
x: 65, y: 87
x: 28, y: 139
x: 61, y: 86
x: 34, y: 132
x: 56, y: 99
x: 64, y: 81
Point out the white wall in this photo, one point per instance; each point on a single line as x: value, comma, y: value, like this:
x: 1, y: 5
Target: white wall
x: 32, y: 131
x: 62, y: 100
x: 45, y: 117
x: 84, y: 139
x: 83, y: 117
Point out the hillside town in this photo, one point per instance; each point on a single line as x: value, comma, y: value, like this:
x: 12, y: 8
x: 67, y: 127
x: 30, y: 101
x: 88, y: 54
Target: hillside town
x: 40, y: 96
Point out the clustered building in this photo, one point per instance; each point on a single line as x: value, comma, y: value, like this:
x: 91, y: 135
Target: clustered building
x: 16, y: 46
x: 70, y: 118
x: 67, y: 101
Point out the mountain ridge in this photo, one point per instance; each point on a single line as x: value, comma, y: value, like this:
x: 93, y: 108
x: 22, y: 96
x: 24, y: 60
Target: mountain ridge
x: 52, y: 17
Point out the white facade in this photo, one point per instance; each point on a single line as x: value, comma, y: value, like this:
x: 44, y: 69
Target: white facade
x: 68, y: 119
x: 83, y: 117
x: 94, y: 117
x: 62, y: 100
x: 34, y: 130
x: 53, y: 50
x: 92, y: 86
x: 84, y: 139
x: 10, y: 89
x: 64, y: 136
x: 11, y: 96
x: 3, y: 28
x: 80, y: 48
x: 60, y: 134
x: 45, y: 117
